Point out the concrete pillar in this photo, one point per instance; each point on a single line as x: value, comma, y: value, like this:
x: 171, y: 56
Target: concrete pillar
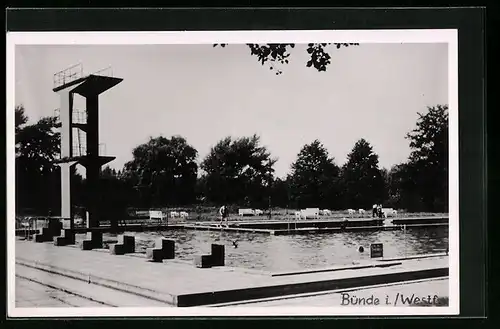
x: 65, y: 116
x: 92, y: 103
x: 93, y: 166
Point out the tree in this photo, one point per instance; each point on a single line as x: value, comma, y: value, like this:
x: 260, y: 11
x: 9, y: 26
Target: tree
x: 20, y: 117
x: 278, y: 53
x: 20, y: 120
x: 115, y: 196
x: 362, y: 179
x: 236, y: 169
x: 39, y: 142
x: 109, y: 172
x: 402, y: 188
x: 314, y: 178
x: 37, y: 177
x: 428, y: 160
x: 280, y: 193
x: 163, y: 171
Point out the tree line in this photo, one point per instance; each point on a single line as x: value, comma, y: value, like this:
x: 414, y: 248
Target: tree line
x: 164, y: 172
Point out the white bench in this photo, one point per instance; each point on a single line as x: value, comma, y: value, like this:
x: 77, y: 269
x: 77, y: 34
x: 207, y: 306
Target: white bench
x: 389, y: 212
x: 156, y: 214
x: 310, y: 213
x: 246, y: 212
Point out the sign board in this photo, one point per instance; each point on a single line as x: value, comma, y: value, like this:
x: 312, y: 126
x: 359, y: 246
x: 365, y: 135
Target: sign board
x: 376, y: 250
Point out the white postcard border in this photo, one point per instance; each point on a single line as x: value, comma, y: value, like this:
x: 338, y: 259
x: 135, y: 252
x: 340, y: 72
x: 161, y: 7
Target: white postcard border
x: 449, y: 36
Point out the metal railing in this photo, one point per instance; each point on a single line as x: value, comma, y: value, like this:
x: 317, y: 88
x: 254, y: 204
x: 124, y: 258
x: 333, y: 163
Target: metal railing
x: 80, y: 147
x: 107, y: 71
x: 30, y: 226
x: 76, y: 72
x: 79, y: 116
x: 68, y: 75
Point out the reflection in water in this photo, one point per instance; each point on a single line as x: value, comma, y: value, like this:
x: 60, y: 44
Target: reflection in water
x: 294, y: 252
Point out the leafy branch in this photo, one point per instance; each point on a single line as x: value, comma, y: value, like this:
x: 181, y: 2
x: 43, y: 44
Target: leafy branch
x: 278, y: 53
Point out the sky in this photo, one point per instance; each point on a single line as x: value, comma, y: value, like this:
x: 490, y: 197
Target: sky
x: 370, y: 91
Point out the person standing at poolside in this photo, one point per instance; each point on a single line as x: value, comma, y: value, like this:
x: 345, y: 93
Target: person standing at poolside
x: 374, y: 210
x: 379, y: 211
x: 223, y: 213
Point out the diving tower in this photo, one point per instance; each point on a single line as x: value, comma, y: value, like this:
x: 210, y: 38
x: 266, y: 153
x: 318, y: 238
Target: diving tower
x: 68, y: 83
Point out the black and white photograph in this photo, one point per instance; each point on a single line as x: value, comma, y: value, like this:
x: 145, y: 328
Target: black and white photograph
x: 232, y: 173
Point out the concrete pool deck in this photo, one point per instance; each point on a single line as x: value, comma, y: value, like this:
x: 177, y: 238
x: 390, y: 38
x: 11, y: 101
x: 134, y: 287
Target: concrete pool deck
x: 180, y: 283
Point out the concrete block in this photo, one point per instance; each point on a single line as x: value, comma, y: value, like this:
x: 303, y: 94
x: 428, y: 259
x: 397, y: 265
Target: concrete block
x: 46, y: 231
x: 39, y: 238
x: 96, y: 238
x: 117, y: 249
x: 120, y: 239
x: 87, y: 245
x: 69, y: 235
x: 167, y: 246
x: 54, y: 228
x: 154, y: 255
x: 203, y: 261
x: 128, y: 242
x: 60, y: 241
x: 218, y: 254
x: 50, y: 232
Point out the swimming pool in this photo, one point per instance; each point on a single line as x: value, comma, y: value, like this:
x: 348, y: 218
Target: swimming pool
x: 295, y: 252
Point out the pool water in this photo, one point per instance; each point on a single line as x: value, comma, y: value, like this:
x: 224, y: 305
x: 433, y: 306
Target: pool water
x: 295, y: 252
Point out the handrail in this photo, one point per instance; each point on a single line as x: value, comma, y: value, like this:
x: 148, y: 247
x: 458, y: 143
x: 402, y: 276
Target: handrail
x: 75, y: 72
x: 109, y: 68
x: 68, y: 75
